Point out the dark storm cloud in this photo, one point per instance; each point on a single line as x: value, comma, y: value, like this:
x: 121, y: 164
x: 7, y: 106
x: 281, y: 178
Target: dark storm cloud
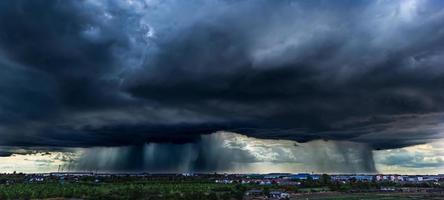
x: 5, y: 154
x: 112, y: 73
x: 9, y: 151
x: 208, y: 154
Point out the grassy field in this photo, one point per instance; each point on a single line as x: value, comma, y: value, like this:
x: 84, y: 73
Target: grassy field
x: 181, y: 189
x: 175, y: 190
x: 120, y: 191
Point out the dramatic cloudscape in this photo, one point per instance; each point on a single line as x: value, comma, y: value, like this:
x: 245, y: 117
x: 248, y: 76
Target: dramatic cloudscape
x: 222, y: 85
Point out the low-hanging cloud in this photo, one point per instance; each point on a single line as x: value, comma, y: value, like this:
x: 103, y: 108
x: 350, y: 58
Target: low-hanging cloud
x: 228, y: 152
x: 117, y: 73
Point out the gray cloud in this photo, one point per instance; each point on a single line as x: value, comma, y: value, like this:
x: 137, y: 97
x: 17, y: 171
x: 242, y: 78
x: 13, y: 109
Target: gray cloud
x: 412, y: 161
x: 5, y: 154
x: 114, y: 73
x: 427, y: 156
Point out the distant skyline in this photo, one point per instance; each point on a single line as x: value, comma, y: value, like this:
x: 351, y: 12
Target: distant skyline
x: 219, y: 85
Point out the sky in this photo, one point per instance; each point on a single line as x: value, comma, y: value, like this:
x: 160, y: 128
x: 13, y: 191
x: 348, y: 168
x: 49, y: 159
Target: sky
x: 347, y: 86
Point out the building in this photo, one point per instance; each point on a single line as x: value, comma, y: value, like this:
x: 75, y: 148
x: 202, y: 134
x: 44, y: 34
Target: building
x: 279, y: 195
x: 366, y: 178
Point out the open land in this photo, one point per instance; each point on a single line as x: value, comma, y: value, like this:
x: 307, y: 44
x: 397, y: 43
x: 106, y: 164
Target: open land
x: 207, y: 186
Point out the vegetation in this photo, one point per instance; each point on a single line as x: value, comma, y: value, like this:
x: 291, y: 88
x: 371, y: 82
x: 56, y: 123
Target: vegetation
x: 120, y: 191
x: 20, y: 186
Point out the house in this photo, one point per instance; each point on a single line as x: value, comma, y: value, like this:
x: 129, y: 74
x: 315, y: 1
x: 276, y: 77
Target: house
x: 411, y: 179
x: 382, y: 177
x: 431, y: 178
x: 387, y: 189
x: 36, y: 179
x: 267, y: 182
x: 225, y: 181
x: 279, y: 195
x: 366, y: 178
x: 315, y: 177
x: 285, y: 195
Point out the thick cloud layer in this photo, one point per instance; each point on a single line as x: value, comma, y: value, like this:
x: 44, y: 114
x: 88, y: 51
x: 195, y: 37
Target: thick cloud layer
x: 114, y: 73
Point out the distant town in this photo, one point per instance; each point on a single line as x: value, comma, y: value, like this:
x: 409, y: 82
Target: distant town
x: 92, y: 185
x: 261, y: 179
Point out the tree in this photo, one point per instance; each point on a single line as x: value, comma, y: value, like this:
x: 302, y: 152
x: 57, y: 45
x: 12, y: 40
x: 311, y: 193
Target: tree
x: 325, y: 180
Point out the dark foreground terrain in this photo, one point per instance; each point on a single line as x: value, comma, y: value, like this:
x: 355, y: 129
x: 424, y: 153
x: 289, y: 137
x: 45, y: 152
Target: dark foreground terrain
x: 209, y: 186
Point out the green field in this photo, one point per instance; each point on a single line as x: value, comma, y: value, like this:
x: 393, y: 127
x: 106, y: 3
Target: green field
x: 120, y: 191
x: 175, y: 190
x: 21, y: 186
